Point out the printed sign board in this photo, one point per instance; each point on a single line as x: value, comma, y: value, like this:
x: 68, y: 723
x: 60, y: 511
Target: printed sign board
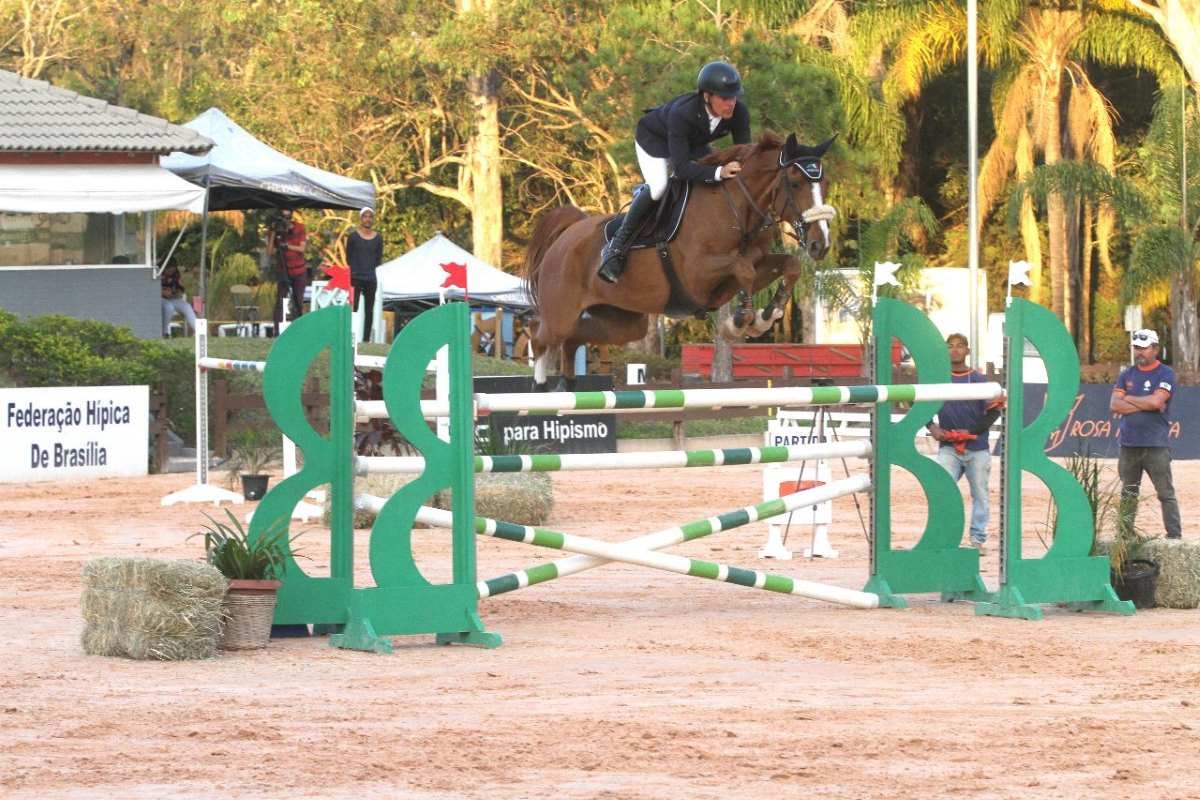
x: 1091, y: 427
x: 548, y: 433
x: 63, y: 433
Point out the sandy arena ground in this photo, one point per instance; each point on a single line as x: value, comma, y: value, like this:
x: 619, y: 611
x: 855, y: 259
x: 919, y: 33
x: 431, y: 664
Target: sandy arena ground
x: 615, y: 683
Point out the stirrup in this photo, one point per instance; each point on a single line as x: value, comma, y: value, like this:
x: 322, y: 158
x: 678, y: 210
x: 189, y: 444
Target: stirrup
x: 612, y: 267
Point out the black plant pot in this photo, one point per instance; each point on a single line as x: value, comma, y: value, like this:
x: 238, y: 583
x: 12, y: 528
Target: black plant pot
x: 254, y: 486
x: 1138, y: 582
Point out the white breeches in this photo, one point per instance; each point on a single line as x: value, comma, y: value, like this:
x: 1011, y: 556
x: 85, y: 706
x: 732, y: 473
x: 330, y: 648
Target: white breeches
x: 656, y: 171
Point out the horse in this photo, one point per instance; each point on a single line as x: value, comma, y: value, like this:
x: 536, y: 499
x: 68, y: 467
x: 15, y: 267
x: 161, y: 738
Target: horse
x: 722, y: 249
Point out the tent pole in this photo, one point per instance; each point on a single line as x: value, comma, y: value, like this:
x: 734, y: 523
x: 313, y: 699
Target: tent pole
x: 203, y: 252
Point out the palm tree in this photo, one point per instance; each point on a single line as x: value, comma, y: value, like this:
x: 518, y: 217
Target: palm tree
x: 1166, y: 253
x: 1046, y: 109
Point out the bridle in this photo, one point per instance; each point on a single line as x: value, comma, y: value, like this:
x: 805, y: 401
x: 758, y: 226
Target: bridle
x: 761, y: 220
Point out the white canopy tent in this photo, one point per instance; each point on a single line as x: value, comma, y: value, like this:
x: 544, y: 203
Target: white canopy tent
x: 94, y: 189
x: 243, y: 172
x: 420, y: 273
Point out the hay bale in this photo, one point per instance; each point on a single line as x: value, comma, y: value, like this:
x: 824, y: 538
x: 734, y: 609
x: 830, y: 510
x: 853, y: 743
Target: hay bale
x: 1179, y: 569
x: 147, y: 608
x: 524, y: 497
x: 379, y: 486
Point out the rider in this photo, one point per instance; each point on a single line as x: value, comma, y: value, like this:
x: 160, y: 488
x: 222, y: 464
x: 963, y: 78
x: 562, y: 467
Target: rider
x: 669, y: 141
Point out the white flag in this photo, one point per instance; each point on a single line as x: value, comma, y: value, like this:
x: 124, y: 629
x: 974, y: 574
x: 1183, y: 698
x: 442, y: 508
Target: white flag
x: 1018, y: 273
x: 885, y: 273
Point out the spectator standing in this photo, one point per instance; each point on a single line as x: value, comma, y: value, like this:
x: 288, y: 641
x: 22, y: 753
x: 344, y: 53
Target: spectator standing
x: 174, y: 300
x: 961, y: 431
x: 364, y: 252
x: 285, y: 247
x: 1142, y: 398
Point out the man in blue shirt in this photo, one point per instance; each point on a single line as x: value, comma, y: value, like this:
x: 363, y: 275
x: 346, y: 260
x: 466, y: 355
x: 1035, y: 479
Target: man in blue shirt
x: 1142, y: 398
x: 962, y: 432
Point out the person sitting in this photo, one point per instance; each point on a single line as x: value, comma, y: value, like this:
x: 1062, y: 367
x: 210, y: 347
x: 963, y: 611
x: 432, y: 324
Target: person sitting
x: 669, y: 141
x: 174, y: 301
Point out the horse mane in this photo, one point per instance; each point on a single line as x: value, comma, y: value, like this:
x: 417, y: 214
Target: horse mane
x: 768, y: 140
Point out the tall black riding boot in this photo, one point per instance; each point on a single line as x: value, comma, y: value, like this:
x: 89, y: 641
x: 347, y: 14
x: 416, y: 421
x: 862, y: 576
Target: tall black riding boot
x: 612, y: 258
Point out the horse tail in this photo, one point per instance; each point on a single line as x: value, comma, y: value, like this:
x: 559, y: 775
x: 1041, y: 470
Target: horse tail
x: 548, y: 229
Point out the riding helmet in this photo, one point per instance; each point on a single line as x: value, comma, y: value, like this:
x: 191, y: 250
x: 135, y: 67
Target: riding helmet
x: 719, y: 78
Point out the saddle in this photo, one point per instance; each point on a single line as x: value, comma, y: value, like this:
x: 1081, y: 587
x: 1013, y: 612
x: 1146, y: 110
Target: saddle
x: 665, y: 221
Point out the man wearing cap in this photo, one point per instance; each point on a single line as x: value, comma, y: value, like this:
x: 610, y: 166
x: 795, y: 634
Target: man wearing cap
x: 1142, y: 398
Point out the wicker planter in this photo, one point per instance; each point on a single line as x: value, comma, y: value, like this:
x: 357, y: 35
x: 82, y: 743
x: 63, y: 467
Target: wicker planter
x: 249, y: 609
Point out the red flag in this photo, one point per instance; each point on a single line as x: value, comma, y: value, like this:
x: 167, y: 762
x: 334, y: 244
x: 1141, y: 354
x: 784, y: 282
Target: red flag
x: 456, y: 275
x: 339, y: 278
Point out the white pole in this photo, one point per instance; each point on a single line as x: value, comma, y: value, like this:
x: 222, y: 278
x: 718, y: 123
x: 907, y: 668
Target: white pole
x: 972, y: 178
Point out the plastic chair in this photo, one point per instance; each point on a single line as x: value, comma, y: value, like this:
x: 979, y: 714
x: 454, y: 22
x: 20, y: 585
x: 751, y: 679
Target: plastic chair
x: 245, y: 310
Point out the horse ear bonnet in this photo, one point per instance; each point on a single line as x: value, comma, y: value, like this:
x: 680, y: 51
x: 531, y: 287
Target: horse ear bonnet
x: 806, y: 159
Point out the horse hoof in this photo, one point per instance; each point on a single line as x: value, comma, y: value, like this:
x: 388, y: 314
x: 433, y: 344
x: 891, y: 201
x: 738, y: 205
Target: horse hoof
x: 544, y: 386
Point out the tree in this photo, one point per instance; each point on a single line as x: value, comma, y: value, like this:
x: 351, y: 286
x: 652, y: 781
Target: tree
x: 1179, y: 21
x: 1166, y: 254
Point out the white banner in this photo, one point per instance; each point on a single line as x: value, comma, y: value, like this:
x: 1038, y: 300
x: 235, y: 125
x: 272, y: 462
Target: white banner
x: 62, y: 433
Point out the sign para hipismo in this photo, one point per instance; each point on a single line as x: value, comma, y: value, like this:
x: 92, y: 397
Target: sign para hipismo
x: 69, y: 432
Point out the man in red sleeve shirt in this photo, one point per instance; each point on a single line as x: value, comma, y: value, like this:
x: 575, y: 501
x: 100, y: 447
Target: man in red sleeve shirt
x: 292, y: 276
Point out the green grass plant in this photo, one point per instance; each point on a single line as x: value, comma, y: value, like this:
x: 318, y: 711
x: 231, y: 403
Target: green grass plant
x: 229, y: 548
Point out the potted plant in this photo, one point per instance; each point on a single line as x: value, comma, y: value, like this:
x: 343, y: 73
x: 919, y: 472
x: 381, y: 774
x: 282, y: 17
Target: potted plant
x: 1133, y: 576
x: 253, y: 567
x: 251, y: 451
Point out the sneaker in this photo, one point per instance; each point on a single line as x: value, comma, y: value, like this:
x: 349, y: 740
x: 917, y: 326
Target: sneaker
x: 981, y: 547
x: 1176, y: 536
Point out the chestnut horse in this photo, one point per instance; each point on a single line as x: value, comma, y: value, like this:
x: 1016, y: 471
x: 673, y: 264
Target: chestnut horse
x: 723, y: 247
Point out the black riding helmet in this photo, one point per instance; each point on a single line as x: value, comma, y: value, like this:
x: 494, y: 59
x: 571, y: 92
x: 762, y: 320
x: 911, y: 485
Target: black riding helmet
x: 719, y: 78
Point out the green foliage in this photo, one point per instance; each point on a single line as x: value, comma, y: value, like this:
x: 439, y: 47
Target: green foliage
x: 237, y: 556
x: 253, y: 448
x: 56, y: 350
x: 1111, y: 511
x: 234, y: 269
x: 1083, y: 180
x: 1160, y: 252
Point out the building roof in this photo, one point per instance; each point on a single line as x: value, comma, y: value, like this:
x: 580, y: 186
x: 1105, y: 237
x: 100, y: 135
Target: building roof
x: 36, y: 117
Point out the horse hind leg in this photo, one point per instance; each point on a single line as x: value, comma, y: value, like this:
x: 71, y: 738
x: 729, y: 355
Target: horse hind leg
x: 542, y: 355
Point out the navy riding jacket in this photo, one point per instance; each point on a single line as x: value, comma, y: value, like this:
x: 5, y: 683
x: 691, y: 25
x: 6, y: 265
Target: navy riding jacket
x: 679, y: 131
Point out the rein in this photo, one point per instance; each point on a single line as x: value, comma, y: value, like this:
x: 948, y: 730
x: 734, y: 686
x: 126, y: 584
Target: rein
x: 766, y: 218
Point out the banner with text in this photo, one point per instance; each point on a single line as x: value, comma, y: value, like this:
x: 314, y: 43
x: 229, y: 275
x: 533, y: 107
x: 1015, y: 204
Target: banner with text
x: 548, y: 433
x: 1091, y: 427
x: 61, y: 433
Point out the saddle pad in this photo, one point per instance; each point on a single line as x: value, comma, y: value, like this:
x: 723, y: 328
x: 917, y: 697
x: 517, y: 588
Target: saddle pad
x: 666, y: 218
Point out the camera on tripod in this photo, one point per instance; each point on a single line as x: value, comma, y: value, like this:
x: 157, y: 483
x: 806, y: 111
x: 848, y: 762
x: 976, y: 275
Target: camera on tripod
x: 281, y: 225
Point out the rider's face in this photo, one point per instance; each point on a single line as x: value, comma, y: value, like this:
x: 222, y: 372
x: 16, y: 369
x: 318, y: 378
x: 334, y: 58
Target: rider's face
x: 720, y: 106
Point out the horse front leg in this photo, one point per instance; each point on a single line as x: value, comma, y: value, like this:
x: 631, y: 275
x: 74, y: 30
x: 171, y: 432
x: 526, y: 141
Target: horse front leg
x: 769, y: 268
x: 743, y: 319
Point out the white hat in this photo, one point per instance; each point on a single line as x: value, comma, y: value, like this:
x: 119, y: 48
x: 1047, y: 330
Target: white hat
x: 1143, y: 338
x: 366, y: 210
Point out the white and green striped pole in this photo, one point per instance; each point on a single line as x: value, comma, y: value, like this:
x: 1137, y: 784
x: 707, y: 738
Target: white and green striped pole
x: 636, y: 400
x: 652, y: 541
x: 726, y: 398
x: 549, y: 462
x: 627, y: 553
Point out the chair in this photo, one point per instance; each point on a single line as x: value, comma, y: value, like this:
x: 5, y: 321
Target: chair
x: 245, y: 310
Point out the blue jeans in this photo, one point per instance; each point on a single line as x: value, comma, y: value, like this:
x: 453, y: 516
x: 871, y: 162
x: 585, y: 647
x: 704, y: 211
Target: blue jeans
x: 976, y: 465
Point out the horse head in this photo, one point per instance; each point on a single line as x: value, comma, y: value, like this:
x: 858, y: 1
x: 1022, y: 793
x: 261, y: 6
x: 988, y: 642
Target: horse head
x: 803, y: 176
